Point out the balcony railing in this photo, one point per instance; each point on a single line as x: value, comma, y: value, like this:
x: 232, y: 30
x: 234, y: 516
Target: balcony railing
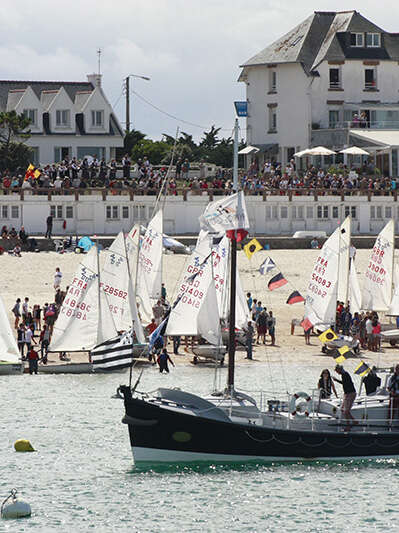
x: 335, y: 85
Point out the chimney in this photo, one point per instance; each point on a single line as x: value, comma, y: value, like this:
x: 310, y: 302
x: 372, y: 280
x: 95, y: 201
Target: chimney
x: 94, y: 79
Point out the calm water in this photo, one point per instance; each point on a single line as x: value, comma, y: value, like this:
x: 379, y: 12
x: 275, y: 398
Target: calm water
x: 82, y: 477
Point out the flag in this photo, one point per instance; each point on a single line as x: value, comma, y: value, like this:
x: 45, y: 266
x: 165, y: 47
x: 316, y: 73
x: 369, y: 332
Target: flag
x: 239, y: 234
x: 267, y: 265
x: 156, y: 336
x: 294, y: 298
x: 229, y: 213
x: 114, y: 353
x: 252, y: 247
x: 328, y: 335
x: 344, y: 353
x: 32, y: 172
x: 363, y: 369
x: 306, y: 324
x: 276, y: 282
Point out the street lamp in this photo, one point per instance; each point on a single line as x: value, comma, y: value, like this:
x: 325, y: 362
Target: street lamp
x: 127, y: 88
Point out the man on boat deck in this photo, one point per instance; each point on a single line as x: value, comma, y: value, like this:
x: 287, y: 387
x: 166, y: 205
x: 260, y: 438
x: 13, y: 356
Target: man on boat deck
x: 393, y: 387
x: 349, y: 395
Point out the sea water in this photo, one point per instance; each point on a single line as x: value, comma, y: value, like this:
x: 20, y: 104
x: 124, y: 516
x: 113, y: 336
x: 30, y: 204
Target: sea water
x: 82, y: 477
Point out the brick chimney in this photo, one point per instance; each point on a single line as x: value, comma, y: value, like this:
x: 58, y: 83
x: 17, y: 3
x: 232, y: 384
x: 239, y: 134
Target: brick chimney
x: 94, y: 79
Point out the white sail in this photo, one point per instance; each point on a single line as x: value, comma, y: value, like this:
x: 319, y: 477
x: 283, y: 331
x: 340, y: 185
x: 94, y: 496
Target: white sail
x: 321, y: 296
x: 8, y: 346
x: 183, y: 318
x: 377, y: 287
x: 84, y: 319
x: 394, y: 307
x: 242, y: 311
x: 149, y: 270
x: 208, y: 321
x: 354, y: 292
x: 343, y: 263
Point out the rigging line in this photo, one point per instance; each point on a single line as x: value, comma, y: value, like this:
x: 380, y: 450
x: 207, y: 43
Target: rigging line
x: 165, y: 181
x: 173, y: 116
x: 117, y: 100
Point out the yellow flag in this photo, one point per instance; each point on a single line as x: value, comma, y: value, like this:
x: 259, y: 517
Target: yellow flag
x: 30, y: 168
x: 36, y: 173
x: 340, y: 359
x: 328, y: 336
x: 252, y: 247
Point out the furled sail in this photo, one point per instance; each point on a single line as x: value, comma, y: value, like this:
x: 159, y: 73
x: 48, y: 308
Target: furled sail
x: 149, y: 269
x: 354, y: 292
x: 84, y: 319
x: 377, y: 287
x: 208, y: 322
x: 8, y: 346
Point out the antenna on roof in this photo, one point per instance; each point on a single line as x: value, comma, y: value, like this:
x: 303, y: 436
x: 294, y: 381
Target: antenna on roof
x: 99, y: 60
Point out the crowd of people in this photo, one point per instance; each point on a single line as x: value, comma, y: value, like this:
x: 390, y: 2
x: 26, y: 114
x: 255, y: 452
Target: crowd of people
x: 365, y: 326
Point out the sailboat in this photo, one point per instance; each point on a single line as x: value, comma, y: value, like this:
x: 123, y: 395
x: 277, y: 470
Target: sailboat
x: 10, y: 358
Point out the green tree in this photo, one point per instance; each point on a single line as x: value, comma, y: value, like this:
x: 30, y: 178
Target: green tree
x: 210, y: 139
x: 13, y: 127
x: 131, y: 139
x: 154, y: 150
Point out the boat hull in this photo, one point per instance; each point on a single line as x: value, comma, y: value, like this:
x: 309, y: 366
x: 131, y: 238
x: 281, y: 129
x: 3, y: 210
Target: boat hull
x: 11, y: 369
x: 76, y: 368
x: 162, y: 435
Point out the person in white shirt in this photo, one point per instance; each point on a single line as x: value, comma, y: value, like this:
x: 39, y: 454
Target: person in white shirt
x: 57, y: 278
x: 369, y: 331
x: 29, y: 338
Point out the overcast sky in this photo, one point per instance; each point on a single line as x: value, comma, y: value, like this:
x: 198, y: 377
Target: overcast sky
x: 190, y: 49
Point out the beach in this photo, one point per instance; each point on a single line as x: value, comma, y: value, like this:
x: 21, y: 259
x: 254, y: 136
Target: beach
x: 32, y: 275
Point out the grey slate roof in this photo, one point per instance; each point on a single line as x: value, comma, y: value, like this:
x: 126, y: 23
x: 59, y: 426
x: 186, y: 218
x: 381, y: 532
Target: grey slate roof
x: 71, y: 87
x: 325, y: 35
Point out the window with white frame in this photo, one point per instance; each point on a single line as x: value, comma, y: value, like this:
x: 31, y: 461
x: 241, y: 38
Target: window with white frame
x: 272, y: 81
x: 112, y: 212
x: 14, y: 211
x: 333, y: 118
x: 62, y: 117
x: 373, y: 40
x: 97, y: 118
x: 56, y: 211
x: 4, y: 211
x: 69, y: 211
x: 335, y: 211
x: 351, y: 210
x: 139, y: 212
x: 31, y: 114
x: 297, y: 212
x: 309, y: 211
x: 370, y: 78
x: 272, y: 119
x: 376, y: 212
x: 335, y: 78
x: 357, y: 39
x: 125, y: 211
x: 284, y: 211
x: 322, y: 211
x: 271, y: 212
x: 388, y: 212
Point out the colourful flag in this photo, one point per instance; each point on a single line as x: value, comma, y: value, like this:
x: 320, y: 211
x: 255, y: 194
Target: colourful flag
x: 362, y: 369
x: 267, y: 265
x: 238, y: 234
x: 32, y: 172
x: 328, y: 335
x: 276, y: 282
x: 294, y: 298
x: 306, y: 324
x: 252, y: 247
x: 344, y: 353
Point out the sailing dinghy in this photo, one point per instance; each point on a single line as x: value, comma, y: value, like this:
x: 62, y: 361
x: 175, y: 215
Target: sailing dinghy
x: 10, y: 358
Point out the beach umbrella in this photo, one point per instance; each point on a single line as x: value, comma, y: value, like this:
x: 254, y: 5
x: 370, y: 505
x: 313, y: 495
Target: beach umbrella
x: 320, y: 150
x: 248, y: 150
x: 354, y: 150
x: 302, y: 153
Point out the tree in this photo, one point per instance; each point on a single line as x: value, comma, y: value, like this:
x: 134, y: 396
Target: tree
x: 210, y: 140
x: 132, y: 138
x: 13, y: 127
x: 154, y: 150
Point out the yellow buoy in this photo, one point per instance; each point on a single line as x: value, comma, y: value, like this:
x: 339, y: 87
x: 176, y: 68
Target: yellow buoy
x: 23, y: 445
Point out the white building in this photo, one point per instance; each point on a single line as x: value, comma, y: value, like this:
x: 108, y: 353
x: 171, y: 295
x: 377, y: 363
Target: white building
x: 71, y: 119
x: 306, y: 88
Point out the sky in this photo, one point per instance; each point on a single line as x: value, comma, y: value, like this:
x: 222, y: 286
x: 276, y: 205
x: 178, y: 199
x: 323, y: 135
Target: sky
x: 190, y: 49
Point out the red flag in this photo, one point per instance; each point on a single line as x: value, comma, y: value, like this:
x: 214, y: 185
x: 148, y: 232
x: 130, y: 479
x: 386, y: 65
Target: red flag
x: 238, y: 234
x: 306, y: 324
x: 294, y: 298
x: 276, y: 282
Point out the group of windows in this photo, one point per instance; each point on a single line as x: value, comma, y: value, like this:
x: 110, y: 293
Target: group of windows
x: 372, y: 40
x: 116, y: 212
x: 9, y: 211
x: 370, y: 78
x: 300, y: 212
x: 379, y: 212
x: 63, y: 117
x: 61, y: 212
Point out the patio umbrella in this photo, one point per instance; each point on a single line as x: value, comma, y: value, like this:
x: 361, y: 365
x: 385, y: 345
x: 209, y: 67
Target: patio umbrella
x: 248, y: 150
x: 302, y: 153
x: 354, y: 150
x: 320, y: 150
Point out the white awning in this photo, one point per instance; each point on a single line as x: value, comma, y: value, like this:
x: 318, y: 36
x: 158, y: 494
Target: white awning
x: 382, y: 137
x: 248, y: 150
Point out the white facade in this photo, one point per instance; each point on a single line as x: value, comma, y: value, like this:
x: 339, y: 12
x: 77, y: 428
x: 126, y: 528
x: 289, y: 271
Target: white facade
x: 277, y: 215
x: 67, y: 119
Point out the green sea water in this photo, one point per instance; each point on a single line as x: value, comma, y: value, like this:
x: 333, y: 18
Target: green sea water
x: 82, y: 477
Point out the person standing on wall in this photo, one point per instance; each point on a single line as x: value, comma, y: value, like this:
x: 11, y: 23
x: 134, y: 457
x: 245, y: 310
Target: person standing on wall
x: 49, y: 230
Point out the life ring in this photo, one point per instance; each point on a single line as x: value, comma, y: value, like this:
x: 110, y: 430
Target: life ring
x: 294, y: 406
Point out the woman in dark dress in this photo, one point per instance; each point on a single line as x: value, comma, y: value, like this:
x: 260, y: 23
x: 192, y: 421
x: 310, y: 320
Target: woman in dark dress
x: 326, y: 385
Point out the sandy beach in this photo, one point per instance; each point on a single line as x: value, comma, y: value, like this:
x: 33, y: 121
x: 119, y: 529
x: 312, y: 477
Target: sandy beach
x: 32, y: 275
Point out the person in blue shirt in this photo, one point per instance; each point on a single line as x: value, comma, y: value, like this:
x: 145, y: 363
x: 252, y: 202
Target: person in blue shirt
x: 249, y: 300
x: 163, y: 360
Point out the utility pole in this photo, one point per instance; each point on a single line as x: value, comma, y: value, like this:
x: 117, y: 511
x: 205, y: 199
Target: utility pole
x: 127, y: 89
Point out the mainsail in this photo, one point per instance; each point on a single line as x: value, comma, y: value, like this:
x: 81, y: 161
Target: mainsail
x: 149, y: 269
x: 8, y: 346
x: 84, y: 319
x: 394, y: 307
x: 322, y: 292
x: 354, y: 292
x: 377, y: 288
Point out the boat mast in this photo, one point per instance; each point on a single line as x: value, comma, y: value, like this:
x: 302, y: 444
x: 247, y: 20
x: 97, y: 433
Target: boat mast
x: 233, y: 273
x: 99, y: 326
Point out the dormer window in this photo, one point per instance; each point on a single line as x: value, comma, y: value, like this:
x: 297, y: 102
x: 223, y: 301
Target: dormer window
x: 97, y: 119
x: 373, y: 40
x: 31, y: 114
x: 62, y: 117
x: 357, y: 39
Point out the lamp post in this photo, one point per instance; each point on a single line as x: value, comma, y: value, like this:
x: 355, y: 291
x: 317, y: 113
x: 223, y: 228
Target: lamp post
x: 127, y: 89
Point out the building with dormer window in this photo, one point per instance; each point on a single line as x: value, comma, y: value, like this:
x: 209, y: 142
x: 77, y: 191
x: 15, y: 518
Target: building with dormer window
x: 68, y: 119
x: 333, y: 81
